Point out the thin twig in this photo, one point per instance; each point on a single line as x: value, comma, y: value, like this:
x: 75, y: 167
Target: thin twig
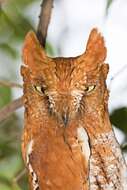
x: 20, y: 175
x: 10, y: 108
x: 10, y: 84
x: 46, y: 10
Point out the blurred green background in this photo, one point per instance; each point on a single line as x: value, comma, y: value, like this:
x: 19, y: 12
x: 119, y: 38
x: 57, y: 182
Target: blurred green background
x: 14, y: 24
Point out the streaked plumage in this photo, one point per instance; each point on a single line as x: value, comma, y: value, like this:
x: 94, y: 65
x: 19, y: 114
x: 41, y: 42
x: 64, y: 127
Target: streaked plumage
x: 68, y: 142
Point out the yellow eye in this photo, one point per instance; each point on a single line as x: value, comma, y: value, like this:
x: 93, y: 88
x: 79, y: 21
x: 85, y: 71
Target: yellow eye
x: 90, y: 88
x: 39, y: 89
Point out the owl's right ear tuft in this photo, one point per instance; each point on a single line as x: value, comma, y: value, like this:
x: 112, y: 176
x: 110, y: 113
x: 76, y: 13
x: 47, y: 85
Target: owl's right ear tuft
x: 33, y: 52
x: 96, y: 46
x: 96, y: 51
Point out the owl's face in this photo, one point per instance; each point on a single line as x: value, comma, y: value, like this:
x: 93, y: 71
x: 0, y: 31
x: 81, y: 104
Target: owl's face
x: 64, y: 88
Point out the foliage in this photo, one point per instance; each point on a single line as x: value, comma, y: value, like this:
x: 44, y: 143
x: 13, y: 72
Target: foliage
x: 119, y: 119
x: 10, y: 154
x: 14, y: 26
x: 5, y: 96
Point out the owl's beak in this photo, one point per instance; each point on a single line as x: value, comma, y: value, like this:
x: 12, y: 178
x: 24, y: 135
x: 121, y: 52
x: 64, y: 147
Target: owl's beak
x: 65, y: 119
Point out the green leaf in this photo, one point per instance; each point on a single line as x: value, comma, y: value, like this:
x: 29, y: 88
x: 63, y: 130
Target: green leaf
x: 49, y: 49
x: 10, y: 166
x: 11, y: 160
x: 124, y: 147
x: 4, y: 180
x: 15, y: 22
x: 9, y: 50
x: 21, y: 3
x: 108, y: 5
x: 5, y: 96
x: 16, y: 186
x: 119, y: 119
x: 6, y: 149
x: 4, y: 186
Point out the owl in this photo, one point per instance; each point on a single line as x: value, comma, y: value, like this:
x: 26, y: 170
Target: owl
x: 68, y: 142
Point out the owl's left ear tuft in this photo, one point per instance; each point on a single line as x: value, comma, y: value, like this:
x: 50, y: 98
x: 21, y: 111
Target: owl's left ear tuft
x: 96, y: 51
x: 33, y: 52
x: 96, y: 46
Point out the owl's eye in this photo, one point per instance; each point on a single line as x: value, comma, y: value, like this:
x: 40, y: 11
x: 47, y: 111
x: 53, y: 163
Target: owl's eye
x: 90, y: 88
x: 39, y: 89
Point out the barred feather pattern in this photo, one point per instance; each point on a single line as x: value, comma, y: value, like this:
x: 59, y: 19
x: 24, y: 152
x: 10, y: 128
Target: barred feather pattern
x: 108, y: 170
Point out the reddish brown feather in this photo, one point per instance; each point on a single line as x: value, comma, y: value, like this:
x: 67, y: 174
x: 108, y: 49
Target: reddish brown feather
x: 56, y: 160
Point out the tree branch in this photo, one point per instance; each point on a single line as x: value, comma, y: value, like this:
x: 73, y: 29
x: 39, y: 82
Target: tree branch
x: 10, y: 84
x: 20, y: 175
x: 46, y: 9
x: 10, y: 108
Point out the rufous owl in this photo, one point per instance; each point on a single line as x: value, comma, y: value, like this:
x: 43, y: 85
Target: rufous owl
x: 68, y: 142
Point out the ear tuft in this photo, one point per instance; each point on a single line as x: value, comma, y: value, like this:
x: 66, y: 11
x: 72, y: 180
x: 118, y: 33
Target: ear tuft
x: 96, y: 46
x: 33, y: 53
x: 95, y: 53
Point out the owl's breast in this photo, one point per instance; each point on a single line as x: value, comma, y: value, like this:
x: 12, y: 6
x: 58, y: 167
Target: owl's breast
x: 58, y: 160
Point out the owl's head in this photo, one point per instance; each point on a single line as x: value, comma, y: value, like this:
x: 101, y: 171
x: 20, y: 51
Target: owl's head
x: 64, y: 88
